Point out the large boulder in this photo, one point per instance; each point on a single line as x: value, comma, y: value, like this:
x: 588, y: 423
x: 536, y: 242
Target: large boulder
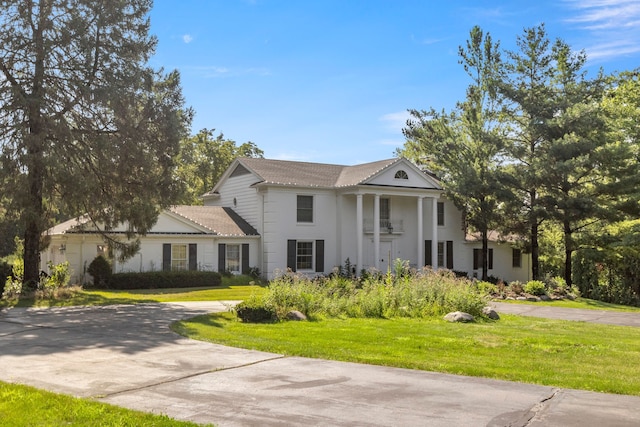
x: 459, y: 316
x: 490, y: 313
x: 296, y: 315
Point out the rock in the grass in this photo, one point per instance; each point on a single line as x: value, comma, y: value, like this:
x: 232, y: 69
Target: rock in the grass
x: 296, y: 315
x: 459, y: 316
x: 490, y: 313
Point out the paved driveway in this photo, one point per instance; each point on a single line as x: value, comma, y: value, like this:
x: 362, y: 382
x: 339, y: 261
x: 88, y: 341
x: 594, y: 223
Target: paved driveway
x: 126, y: 355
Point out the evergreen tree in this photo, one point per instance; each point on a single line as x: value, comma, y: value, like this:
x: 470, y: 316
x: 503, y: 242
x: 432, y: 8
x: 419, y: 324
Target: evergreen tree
x: 85, y: 124
x: 462, y: 147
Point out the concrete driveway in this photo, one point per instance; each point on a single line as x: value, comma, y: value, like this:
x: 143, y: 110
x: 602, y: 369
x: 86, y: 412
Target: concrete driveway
x: 126, y: 355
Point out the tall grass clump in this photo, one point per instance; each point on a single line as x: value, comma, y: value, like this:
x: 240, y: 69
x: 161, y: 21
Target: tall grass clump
x: 416, y: 294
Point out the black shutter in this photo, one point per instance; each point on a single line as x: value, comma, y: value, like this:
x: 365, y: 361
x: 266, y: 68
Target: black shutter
x: 477, y: 258
x: 490, y: 259
x: 428, y: 254
x: 319, y: 256
x: 166, y: 257
x: 222, y: 257
x: 291, y: 254
x: 245, y: 258
x: 450, y: 254
x: 193, y: 256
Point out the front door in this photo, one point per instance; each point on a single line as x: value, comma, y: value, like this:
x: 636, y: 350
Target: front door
x: 386, y: 255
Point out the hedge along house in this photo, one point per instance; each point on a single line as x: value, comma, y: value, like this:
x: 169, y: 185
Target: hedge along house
x: 184, y: 238
x: 276, y: 215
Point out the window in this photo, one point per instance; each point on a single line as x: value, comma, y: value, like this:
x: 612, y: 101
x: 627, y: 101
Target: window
x: 401, y: 175
x: 385, y: 213
x: 445, y: 254
x: 516, y: 255
x: 477, y: 259
x: 178, y: 257
x: 304, y: 256
x: 233, y: 258
x: 440, y: 213
x: 305, y: 209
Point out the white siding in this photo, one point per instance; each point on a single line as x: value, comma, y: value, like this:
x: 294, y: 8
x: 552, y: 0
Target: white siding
x: 246, y: 198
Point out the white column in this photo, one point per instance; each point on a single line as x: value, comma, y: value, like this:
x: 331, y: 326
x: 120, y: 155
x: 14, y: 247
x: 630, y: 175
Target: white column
x: 434, y: 233
x: 420, y: 262
x: 359, y: 231
x: 376, y: 230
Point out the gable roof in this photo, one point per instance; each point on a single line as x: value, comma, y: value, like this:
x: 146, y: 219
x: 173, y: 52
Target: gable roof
x: 218, y: 220
x: 314, y: 175
x: 214, y: 220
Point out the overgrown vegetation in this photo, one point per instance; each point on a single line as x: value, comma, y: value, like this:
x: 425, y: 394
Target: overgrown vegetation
x: 416, y: 294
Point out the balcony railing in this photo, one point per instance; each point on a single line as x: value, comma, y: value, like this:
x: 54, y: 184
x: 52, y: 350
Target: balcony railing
x: 386, y: 226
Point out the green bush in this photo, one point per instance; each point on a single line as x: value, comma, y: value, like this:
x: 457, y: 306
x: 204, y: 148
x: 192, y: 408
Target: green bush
x: 165, y: 279
x: 58, y: 277
x: 254, y: 310
x: 5, y: 272
x: 100, y: 270
x: 535, y: 287
x: 486, y: 288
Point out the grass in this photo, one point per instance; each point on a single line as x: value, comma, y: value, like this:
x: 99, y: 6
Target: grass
x: 231, y: 289
x: 556, y: 353
x: 26, y: 406
x: 584, y: 303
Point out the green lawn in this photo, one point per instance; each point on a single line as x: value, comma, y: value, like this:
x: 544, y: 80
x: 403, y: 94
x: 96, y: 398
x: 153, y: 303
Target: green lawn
x: 541, y: 351
x: 229, y: 290
x: 26, y: 406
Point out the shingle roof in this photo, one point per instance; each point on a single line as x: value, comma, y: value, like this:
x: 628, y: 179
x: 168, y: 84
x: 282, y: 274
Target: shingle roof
x: 304, y: 174
x: 219, y: 220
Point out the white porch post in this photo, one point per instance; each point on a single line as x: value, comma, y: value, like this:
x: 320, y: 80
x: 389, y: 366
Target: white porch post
x: 359, y: 231
x: 434, y: 233
x: 376, y: 230
x: 420, y: 260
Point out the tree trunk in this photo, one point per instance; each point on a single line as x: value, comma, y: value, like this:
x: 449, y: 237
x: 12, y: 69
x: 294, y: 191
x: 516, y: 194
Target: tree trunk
x: 568, y: 251
x: 34, y: 214
x: 485, y: 254
x: 535, y: 252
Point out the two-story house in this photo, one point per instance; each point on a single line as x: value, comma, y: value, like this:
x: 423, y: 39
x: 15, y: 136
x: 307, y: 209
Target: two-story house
x: 275, y: 215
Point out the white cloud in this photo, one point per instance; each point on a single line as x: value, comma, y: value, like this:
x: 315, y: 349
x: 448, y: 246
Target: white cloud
x: 216, y: 71
x: 187, y: 38
x: 615, y: 24
x: 395, y: 122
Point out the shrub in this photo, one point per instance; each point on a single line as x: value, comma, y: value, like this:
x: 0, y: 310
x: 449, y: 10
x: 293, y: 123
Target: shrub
x: 535, y: 287
x: 486, y: 288
x: 254, y: 310
x: 5, y: 272
x: 516, y: 287
x: 100, y: 270
x: 165, y: 279
x: 58, y: 277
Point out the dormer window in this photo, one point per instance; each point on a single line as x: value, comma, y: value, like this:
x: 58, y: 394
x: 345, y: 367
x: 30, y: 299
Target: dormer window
x: 401, y: 175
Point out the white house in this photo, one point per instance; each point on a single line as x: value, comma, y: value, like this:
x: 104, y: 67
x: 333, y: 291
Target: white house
x: 309, y: 217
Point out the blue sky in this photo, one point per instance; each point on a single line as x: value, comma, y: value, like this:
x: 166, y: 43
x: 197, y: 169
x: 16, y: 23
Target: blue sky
x: 330, y: 80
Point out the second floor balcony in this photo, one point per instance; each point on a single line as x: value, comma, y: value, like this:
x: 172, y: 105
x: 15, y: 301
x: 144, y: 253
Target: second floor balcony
x: 387, y: 226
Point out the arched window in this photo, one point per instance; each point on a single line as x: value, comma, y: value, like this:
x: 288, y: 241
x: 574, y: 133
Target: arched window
x: 401, y: 175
